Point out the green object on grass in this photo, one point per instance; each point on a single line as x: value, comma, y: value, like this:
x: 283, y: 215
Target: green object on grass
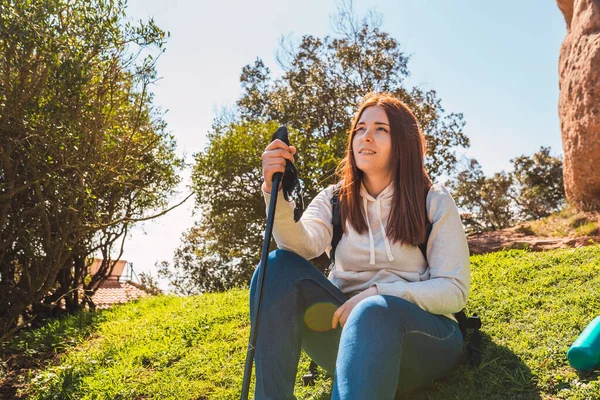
x: 584, y: 354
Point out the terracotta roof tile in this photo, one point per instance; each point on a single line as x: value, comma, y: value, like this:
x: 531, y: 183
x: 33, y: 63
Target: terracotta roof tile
x: 112, y: 292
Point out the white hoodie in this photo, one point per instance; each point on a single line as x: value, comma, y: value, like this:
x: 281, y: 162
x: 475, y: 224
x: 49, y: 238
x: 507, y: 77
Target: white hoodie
x: 366, y: 260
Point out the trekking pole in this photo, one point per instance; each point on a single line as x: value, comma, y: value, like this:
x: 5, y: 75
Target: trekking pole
x: 282, y: 135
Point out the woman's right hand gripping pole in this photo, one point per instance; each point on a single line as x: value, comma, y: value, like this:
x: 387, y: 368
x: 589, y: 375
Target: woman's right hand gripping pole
x: 273, y: 160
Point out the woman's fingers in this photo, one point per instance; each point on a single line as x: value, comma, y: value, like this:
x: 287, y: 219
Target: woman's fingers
x: 344, y: 316
x: 336, y: 316
x: 273, y: 167
x: 274, y: 160
x: 274, y: 163
x: 277, y: 144
x: 341, y: 314
x: 279, y: 149
x: 277, y: 154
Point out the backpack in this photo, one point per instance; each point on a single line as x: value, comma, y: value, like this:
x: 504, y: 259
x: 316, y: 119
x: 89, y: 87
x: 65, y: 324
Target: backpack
x: 473, y: 353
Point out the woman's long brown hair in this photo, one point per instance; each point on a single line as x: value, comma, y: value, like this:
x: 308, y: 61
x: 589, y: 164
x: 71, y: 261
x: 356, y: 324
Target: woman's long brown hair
x: 411, y: 182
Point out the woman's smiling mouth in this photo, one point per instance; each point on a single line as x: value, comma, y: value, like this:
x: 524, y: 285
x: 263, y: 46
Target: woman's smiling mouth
x: 366, y: 152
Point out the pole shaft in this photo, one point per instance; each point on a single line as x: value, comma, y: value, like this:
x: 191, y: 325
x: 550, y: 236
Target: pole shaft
x: 259, y: 288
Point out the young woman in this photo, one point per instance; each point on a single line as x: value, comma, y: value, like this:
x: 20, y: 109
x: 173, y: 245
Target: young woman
x: 382, y: 320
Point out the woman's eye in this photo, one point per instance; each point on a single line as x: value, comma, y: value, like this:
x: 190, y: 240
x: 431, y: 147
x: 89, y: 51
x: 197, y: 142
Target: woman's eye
x: 362, y: 129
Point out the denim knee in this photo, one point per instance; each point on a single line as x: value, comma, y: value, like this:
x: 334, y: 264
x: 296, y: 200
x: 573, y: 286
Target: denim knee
x: 282, y: 266
x: 281, y: 261
x: 368, y: 311
x: 375, y: 309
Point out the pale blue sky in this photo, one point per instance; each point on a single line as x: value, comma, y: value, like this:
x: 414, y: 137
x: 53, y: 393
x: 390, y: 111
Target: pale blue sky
x: 496, y: 62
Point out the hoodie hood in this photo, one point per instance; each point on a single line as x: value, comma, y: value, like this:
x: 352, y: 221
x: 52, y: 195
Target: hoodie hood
x: 384, y: 199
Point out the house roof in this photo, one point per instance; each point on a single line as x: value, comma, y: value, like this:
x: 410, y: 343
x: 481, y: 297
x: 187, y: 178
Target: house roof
x: 114, y: 292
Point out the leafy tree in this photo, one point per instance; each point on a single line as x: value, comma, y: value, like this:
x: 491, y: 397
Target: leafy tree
x: 323, y: 80
x: 539, y: 184
x: 222, y: 249
x: 149, y: 283
x: 83, y: 152
x: 485, y: 201
x: 533, y: 189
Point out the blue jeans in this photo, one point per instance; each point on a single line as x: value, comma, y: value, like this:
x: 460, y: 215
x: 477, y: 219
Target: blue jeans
x: 387, y: 344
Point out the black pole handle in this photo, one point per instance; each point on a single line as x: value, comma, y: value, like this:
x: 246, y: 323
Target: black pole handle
x: 283, y: 135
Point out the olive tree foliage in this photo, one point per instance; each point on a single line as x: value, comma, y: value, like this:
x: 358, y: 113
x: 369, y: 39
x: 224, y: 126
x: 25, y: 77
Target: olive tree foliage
x: 539, y: 185
x: 485, y: 201
x: 322, y: 82
x: 532, y: 190
x: 84, y: 154
x: 222, y: 249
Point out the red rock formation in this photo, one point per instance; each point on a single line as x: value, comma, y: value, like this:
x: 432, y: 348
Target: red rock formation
x: 579, y: 103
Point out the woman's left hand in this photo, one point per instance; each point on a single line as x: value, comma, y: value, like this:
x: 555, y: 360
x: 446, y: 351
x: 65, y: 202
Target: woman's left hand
x: 341, y: 314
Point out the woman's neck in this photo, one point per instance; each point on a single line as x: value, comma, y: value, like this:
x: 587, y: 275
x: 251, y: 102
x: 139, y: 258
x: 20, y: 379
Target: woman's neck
x: 376, y: 184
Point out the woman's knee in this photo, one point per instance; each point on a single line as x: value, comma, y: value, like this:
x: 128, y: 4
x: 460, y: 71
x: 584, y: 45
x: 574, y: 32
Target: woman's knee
x: 380, y: 309
x: 368, y: 311
x: 279, y: 273
x: 281, y: 256
x: 281, y: 262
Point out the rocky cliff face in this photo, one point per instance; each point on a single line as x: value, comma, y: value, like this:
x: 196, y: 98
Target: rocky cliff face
x: 579, y: 103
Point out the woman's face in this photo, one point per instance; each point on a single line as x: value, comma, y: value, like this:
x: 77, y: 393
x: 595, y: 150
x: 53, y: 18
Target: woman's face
x: 372, y: 142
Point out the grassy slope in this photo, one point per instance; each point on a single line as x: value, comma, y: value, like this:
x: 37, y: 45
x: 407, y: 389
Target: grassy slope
x: 533, y: 306
x: 567, y: 222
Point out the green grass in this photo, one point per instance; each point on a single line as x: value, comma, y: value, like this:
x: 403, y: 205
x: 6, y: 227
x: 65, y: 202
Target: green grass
x: 533, y: 306
x: 567, y: 222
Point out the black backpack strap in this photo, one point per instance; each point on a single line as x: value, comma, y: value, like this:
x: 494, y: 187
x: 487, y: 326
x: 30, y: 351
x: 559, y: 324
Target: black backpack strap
x: 474, y: 351
x: 309, y: 378
x: 423, y: 246
x: 336, y: 221
x: 428, y: 227
x: 474, y: 348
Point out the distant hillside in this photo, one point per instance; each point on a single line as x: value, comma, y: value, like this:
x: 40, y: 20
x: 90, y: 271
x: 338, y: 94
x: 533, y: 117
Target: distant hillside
x: 566, y: 228
x: 566, y: 223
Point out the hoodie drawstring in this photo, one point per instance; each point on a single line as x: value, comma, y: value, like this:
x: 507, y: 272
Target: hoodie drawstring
x: 388, y: 248
x: 371, y: 241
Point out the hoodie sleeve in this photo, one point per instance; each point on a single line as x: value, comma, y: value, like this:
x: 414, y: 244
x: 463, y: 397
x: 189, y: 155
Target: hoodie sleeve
x: 312, y: 234
x: 447, y: 289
